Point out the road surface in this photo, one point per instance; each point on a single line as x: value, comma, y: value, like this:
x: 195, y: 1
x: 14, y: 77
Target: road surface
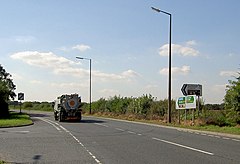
x: 98, y: 140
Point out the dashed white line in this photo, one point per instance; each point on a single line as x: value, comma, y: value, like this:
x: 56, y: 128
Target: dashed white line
x: 120, y: 129
x: 101, y: 125
x: 49, y: 122
x: 226, y: 138
x: 131, y: 132
x: 211, y: 135
x: 236, y: 140
x: 24, y: 131
x: 183, y: 146
x: 203, y: 134
x: 75, y: 138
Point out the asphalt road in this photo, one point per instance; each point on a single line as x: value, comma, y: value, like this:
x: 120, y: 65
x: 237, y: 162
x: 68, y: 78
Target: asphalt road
x: 97, y: 140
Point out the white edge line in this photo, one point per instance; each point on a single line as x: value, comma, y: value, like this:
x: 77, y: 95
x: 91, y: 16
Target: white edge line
x: 186, y: 147
x: 120, y: 129
x: 101, y: 125
x: 50, y: 123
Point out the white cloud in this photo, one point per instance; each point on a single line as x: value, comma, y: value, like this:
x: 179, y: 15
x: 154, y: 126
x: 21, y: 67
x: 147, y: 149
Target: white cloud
x: 81, y: 47
x: 130, y: 73
x: 126, y: 75
x: 191, y: 43
x: 70, y: 85
x: 62, y: 66
x: 179, y: 49
x: 229, y: 73
x: 184, y: 70
x: 39, y: 59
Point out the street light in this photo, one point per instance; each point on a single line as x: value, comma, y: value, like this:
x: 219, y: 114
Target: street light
x: 169, y: 60
x: 90, y: 84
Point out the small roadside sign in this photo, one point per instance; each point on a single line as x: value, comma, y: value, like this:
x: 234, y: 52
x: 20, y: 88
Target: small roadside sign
x: 192, y: 89
x: 186, y: 102
x: 181, y: 103
x: 20, y: 96
x: 191, y: 102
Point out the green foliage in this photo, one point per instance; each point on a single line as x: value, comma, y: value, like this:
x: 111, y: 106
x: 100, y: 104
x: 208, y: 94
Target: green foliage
x: 41, y: 106
x: 145, y: 106
x: 27, y: 105
x: 15, y: 119
x: 6, y: 85
x: 6, y: 91
x: 232, y: 101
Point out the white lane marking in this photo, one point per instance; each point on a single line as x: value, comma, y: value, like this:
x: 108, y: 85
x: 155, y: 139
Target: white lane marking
x: 226, y: 138
x: 49, y: 122
x: 94, y: 157
x: 183, y: 146
x: 63, y: 128
x: 101, y: 125
x: 236, y: 140
x: 211, y: 135
x: 131, y: 132
x: 75, y: 138
x: 24, y: 131
x: 120, y: 129
x: 139, y: 134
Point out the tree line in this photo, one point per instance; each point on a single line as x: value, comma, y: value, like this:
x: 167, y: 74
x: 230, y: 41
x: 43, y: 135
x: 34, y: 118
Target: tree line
x: 143, y: 107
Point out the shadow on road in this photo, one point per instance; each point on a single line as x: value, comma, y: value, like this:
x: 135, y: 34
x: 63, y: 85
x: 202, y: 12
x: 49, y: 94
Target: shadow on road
x: 38, y: 115
x: 91, y: 121
x: 36, y: 159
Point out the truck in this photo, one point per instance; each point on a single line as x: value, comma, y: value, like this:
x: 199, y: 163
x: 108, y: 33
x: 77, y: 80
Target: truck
x: 67, y: 107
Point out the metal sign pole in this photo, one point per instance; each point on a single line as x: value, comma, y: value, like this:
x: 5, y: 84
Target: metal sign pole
x: 178, y: 116
x: 193, y: 116
x: 198, y: 106
x: 185, y: 115
x: 20, y: 106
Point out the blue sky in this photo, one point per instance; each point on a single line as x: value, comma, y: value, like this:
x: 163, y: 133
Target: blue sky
x: 127, y: 42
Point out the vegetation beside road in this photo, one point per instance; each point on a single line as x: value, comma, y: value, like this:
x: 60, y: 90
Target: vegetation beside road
x: 211, y: 117
x: 15, y: 119
x: 144, y: 108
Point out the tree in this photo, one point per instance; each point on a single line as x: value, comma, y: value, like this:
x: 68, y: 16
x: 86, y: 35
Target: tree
x: 232, y: 100
x: 7, y: 88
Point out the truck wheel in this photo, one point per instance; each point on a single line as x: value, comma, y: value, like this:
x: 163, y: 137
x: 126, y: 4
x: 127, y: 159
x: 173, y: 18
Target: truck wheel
x: 55, y: 116
x: 60, y: 117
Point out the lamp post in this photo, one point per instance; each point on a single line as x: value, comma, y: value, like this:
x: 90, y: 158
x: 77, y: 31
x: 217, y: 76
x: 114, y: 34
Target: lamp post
x: 169, y: 60
x: 90, y: 84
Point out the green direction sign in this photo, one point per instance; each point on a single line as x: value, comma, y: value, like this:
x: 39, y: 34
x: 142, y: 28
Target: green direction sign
x: 190, y: 99
x: 181, y: 103
x: 186, y: 102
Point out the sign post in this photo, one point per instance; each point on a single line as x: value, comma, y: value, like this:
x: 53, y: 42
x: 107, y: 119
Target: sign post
x: 186, y: 102
x: 192, y: 89
x: 20, y: 97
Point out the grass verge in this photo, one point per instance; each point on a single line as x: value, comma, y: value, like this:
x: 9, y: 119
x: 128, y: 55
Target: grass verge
x: 212, y: 128
x: 15, y: 119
